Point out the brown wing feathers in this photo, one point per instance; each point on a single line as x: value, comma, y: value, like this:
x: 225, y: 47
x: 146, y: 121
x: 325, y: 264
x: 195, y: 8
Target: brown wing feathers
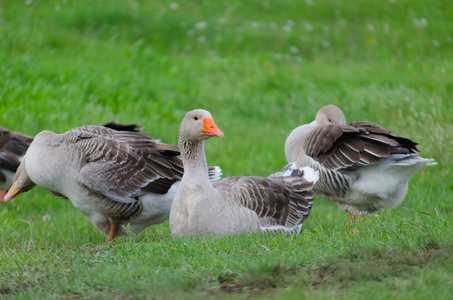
x: 348, y: 147
x: 123, y: 127
x: 13, y: 145
x: 282, y: 201
x: 5, y: 137
x: 401, y: 145
x: 301, y: 199
x: 124, y: 165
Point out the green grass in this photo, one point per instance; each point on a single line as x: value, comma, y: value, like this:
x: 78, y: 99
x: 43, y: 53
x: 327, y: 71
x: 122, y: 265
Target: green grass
x: 262, y: 68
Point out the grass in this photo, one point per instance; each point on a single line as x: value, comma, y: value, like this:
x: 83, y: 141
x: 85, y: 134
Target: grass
x: 262, y: 68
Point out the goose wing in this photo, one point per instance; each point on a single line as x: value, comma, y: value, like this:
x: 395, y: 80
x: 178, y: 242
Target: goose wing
x: 5, y: 137
x: 123, y: 127
x: 14, y: 142
x: 13, y: 146
x: 279, y: 201
x: 348, y: 147
x: 123, y: 165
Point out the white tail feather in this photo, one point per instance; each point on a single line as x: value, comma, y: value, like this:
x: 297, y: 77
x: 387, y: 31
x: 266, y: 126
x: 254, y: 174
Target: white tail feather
x: 407, y: 160
x: 291, y: 169
x: 310, y: 174
x: 215, y: 173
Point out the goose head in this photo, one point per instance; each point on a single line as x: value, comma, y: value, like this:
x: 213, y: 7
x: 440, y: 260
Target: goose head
x: 22, y: 183
x: 198, y: 125
x: 330, y: 114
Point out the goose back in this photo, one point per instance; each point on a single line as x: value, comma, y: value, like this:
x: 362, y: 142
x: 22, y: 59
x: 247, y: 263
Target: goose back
x: 283, y: 202
x: 346, y: 148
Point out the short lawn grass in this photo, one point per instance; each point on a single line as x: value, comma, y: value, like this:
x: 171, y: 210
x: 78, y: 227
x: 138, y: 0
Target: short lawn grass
x: 262, y: 68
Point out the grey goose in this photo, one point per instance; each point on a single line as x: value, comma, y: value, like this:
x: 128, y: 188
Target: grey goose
x: 234, y: 205
x: 13, y: 146
x: 116, y: 178
x: 362, y: 166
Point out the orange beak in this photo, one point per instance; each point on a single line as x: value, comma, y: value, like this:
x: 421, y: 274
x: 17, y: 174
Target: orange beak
x: 13, y: 192
x: 210, y: 128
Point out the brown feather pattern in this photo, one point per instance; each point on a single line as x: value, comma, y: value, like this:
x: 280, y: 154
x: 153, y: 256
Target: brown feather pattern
x: 5, y: 137
x: 13, y: 145
x: 284, y: 201
x: 348, y: 147
x: 120, y: 166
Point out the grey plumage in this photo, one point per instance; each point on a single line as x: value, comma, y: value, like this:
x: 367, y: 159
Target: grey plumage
x: 234, y: 205
x: 349, y: 147
x: 284, y: 201
x: 14, y: 145
x: 362, y: 166
x: 113, y: 177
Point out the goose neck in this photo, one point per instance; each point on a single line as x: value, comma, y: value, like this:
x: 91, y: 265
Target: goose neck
x: 295, y: 143
x: 194, y: 159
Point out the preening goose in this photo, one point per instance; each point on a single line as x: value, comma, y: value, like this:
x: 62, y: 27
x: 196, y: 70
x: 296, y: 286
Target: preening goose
x: 363, y: 166
x: 234, y: 205
x: 13, y: 146
x: 113, y: 177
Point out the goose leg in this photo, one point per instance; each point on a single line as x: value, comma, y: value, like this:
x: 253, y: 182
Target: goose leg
x: 2, y: 195
x: 113, y: 230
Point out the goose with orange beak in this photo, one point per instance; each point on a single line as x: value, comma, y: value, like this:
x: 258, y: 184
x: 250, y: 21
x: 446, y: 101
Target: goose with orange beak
x: 122, y: 181
x: 234, y: 205
x: 14, y: 145
x: 210, y: 128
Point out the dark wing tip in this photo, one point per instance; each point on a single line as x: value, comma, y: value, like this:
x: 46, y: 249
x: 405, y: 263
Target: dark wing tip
x: 123, y: 127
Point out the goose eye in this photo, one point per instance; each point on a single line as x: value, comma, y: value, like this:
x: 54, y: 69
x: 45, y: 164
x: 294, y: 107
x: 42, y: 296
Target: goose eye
x: 330, y: 120
x: 195, y: 118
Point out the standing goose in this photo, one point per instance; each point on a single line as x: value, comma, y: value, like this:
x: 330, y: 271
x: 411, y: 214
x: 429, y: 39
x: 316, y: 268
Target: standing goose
x: 363, y: 166
x: 234, y: 205
x: 13, y: 146
x: 113, y: 177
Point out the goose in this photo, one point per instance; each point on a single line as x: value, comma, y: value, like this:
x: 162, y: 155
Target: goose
x: 363, y: 166
x: 13, y: 146
x: 234, y: 205
x: 122, y: 181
